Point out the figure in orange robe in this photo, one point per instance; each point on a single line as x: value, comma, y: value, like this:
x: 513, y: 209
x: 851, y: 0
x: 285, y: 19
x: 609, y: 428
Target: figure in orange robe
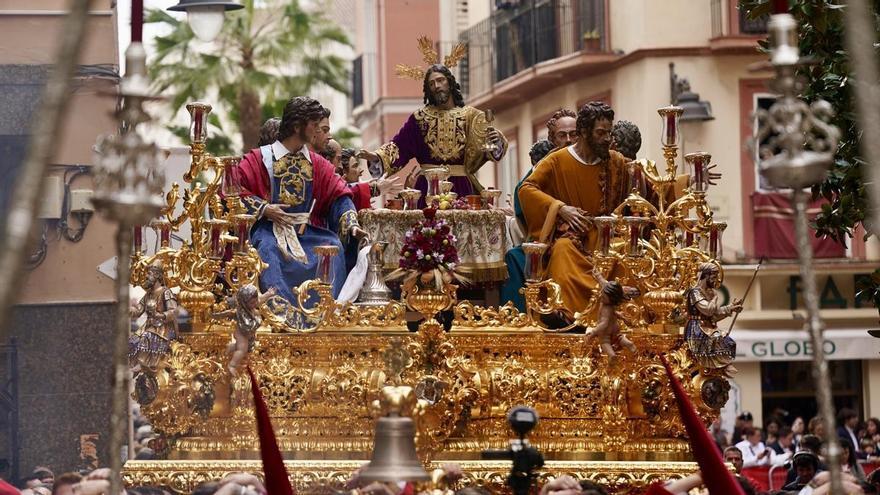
x: 571, y: 184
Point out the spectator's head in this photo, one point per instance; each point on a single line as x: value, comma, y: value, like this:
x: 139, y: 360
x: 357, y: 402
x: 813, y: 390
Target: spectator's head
x: 745, y: 419
x: 562, y: 128
x: 817, y: 427
x: 322, y: 134
x: 332, y: 153
x: 31, y: 481
x: 868, y: 446
x: 798, y: 426
x: 772, y: 427
x: 269, y: 131
x: 44, y: 474
x: 300, y: 120
x: 805, y: 464
x: 811, y: 443
x: 626, y: 138
x: 847, y: 455
x: 734, y: 456
x: 848, y: 417
x: 539, y: 150
x: 594, y: 123
x: 785, y: 437
x: 64, y: 484
x: 872, y: 427
x: 349, y: 165
x: 753, y: 435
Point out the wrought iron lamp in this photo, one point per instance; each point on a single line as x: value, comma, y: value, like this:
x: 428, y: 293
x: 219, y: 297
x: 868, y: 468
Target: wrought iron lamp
x: 693, y: 109
x: 205, y: 17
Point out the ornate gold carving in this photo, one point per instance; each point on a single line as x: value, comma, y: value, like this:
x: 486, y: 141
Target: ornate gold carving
x: 325, y: 477
x: 444, y: 131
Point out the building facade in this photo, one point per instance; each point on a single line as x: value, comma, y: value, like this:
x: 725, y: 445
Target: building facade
x: 528, y: 58
x: 55, y: 409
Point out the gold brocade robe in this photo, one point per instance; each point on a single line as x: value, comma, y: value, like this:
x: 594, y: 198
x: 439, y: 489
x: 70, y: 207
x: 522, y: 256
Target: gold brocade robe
x: 560, y: 180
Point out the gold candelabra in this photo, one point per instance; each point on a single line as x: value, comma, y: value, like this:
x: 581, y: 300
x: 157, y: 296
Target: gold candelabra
x: 219, y: 242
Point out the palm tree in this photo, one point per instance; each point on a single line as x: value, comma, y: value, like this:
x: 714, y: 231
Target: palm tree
x: 262, y: 57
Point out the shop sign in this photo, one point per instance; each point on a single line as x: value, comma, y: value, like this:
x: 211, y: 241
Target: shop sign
x: 772, y: 345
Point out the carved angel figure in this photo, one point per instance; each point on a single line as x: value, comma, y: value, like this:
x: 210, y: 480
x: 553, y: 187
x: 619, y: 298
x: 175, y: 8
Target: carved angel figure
x: 607, y: 331
x: 244, y: 306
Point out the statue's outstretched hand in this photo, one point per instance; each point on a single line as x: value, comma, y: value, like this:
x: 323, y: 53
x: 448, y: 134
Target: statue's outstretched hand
x: 367, y: 155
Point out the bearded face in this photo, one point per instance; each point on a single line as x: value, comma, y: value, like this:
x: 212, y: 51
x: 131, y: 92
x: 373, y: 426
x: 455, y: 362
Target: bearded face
x: 599, y: 140
x: 438, y: 86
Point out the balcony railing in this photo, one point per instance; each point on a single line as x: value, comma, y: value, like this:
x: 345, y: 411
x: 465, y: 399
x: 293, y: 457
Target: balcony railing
x: 533, y: 31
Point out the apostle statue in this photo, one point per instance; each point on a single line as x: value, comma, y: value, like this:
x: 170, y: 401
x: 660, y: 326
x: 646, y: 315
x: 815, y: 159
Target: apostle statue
x: 570, y: 185
x: 445, y: 132
x: 710, y: 347
x: 299, y: 202
x: 152, y: 340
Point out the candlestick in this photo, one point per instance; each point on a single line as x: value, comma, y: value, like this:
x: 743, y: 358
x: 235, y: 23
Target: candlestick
x: 605, y: 227
x: 534, y: 252
x: 698, y: 167
x: 636, y: 226
x: 231, y: 176
x: 670, y: 119
x: 198, y: 130
x: 715, y: 245
x: 324, y: 271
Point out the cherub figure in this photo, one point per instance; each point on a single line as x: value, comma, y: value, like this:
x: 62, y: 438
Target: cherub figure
x: 612, y: 294
x: 244, y: 306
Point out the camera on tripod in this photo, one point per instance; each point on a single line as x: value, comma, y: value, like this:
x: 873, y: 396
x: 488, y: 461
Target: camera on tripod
x: 526, y: 459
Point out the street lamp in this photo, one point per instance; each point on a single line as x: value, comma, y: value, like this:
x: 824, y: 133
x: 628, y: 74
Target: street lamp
x: 693, y: 109
x: 205, y: 17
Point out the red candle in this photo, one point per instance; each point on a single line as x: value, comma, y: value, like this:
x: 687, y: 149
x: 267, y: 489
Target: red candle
x: 671, y: 131
x: 688, y: 238
x: 227, y: 252
x: 197, y: 124
x: 165, y: 235
x: 534, y: 266
x: 138, y: 238
x: 137, y: 21
x: 713, y: 242
x: 324, y: 269
x: 242, y: 237
x: 435, y: 185
x: 699, y: 173
x: 780, y: 6
x: 216, y: 248
x: 634, y: 236
x: 605, y: 241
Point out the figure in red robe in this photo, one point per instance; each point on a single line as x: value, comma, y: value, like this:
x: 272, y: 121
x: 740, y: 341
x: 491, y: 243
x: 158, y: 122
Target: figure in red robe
x: 299, y: 202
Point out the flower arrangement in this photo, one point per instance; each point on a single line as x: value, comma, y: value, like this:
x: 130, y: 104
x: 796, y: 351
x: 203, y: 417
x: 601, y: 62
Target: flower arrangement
x: 428, y: 252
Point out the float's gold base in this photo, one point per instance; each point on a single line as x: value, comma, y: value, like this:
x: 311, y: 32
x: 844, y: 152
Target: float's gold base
x: 323, y: 477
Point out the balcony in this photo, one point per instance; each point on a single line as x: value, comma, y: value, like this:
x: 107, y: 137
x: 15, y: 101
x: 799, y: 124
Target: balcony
x: 530, y: 34
x: 732, y: 30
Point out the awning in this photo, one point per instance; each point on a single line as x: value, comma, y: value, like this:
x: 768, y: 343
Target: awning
x: 795, y: 345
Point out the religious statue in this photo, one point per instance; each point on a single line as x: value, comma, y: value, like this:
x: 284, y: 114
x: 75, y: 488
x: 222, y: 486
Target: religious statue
x: 363, y: 192
x: 245, y: 306
x: 561, y: 132
x: 707, y: 344
x: 445, y: 132
x: 152, y: 340
x: 607, y: 331
x: 567, y: 187
x: 299, y: 202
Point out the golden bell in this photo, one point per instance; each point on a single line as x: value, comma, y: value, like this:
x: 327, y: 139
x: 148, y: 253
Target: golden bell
x: 394, y: 453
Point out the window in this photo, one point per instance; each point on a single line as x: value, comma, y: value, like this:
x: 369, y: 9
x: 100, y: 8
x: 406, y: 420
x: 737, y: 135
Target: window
x: 762, y: 101
x: 790, y: 386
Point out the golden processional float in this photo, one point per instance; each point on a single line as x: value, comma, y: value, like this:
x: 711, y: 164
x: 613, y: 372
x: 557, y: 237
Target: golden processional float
x: 612, y: 421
